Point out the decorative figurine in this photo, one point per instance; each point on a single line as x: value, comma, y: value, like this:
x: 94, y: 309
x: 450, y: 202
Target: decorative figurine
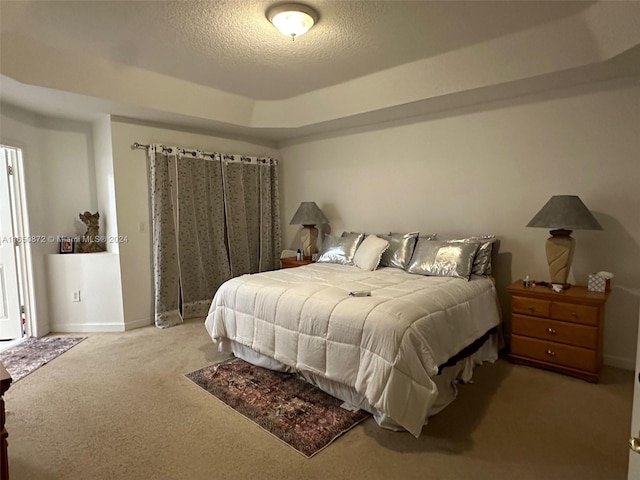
x: 90, y: 242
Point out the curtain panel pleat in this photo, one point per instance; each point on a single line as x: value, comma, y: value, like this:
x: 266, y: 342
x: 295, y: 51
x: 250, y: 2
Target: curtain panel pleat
x: 204, y: 264
x: 166, y: 271
x: 270, y: 236
x: 214, y: 217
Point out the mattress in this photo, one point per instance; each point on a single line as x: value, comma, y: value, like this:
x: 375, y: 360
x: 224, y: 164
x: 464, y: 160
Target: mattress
x: 386, y: 347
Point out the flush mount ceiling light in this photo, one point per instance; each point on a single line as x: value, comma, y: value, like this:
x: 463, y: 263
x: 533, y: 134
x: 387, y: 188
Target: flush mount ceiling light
x: 292, y: 19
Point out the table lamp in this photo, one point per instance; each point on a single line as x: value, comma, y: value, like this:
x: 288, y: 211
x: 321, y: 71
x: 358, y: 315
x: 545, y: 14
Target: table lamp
x: 562, y: 214
x: 309, y: 215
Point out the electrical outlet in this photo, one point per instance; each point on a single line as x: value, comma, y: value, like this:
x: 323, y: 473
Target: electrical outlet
x: 76, y: 296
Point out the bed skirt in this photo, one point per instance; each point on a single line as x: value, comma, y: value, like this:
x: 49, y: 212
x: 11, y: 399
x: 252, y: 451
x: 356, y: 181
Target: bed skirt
x: 445, y: 381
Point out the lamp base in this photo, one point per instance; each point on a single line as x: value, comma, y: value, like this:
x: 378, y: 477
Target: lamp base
x: 309, y: 239
x: 559, y: 248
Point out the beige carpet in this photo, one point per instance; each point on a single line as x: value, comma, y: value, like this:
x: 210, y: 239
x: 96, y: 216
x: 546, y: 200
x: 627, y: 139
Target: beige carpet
x: 117, y: 406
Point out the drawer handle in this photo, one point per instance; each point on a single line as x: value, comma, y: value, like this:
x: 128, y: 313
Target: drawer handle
x: 551, y: 331
x: 551, y: 352
x: 574, y: 314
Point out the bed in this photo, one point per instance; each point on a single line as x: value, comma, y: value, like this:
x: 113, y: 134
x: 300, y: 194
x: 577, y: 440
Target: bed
x: 397, y: 353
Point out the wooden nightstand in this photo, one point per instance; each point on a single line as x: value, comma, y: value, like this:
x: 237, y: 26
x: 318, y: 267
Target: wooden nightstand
x: 558, y: 331
x: 291, y: 262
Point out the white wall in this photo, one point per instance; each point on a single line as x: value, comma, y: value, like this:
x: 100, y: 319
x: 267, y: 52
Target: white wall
x: 18, y: 129
x: 59, y: 183
x: 67, y: 165
x: 96, y: 276
x: 105, y: 184
x: 489, y: 169
x: 132, y: 202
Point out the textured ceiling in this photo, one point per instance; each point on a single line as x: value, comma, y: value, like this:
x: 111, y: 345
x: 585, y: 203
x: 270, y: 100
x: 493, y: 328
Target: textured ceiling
x: 220, y: 66
x: 230, y: 45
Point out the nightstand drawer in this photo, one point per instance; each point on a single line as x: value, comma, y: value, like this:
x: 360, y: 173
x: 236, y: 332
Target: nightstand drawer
x: 562, y: 332
x: 530, y: 306
x: 555, y: 353
x: 572, y: 312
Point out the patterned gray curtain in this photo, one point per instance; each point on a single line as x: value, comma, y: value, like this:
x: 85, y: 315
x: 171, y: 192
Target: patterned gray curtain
x: 214, y: 217
x: 253, y: 214
x: 166, y: 273
x: 270, y: 237
x: 202, y: 250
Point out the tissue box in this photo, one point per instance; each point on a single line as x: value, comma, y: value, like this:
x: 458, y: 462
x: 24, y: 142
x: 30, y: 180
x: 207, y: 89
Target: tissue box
x: 597, y: 283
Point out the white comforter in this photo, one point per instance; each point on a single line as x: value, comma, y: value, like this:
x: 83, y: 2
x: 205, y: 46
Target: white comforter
x: 387, y: 346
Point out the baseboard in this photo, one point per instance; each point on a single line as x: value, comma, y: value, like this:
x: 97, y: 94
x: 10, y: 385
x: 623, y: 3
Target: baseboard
x: 143, y: 322
x: 87, y: 327
x: 619, y: 362
x: 100, y: 327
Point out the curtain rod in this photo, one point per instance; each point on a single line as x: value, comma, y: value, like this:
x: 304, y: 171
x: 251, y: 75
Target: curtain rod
x: 226, y: 157
x: 141, y: 146
x: 136, y: 145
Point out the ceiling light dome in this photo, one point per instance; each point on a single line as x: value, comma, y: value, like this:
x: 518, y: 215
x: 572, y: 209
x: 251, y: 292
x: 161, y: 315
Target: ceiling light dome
x: 292, y: 19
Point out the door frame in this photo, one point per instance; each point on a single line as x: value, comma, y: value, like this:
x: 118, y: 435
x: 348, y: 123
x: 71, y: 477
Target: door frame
x: 24, y: 261
x: 634, y: 460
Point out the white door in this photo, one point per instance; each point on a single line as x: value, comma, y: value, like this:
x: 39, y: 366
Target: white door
x: 10, y: 314
x: 634, y: 456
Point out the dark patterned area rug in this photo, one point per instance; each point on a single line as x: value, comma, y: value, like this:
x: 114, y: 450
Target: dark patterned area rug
x: 301, y: 415
x: 34, y: 352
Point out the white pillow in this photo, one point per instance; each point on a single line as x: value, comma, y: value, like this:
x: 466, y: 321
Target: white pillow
x: 370, y: 252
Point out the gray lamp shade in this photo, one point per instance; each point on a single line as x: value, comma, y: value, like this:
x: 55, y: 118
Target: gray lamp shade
x: 566, y: 212
x: 308, y: 213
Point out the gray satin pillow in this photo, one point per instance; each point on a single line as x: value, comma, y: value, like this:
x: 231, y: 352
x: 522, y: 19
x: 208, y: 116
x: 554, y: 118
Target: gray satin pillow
x: 482, y: 260
x: 340, y: 249
x: 443, y: 259
x: 400, y: 249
